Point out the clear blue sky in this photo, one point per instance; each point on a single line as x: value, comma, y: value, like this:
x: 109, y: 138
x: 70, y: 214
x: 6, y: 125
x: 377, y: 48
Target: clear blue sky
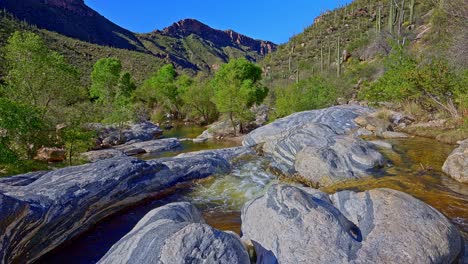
x: 274, y: 20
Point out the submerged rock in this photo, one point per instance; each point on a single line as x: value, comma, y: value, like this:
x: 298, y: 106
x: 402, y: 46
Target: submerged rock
x: 456, y: 164
x: 314, y: 145
x: 40, y: 211
x: 302, y: 225
x: 176, y: 233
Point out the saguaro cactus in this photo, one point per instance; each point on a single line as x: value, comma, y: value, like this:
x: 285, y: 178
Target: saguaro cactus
x: 338, y: 58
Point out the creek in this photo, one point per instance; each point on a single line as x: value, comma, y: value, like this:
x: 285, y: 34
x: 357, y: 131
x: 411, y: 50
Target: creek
x: 415, y: 168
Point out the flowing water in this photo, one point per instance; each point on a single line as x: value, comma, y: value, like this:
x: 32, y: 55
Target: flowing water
x: 415, y: 169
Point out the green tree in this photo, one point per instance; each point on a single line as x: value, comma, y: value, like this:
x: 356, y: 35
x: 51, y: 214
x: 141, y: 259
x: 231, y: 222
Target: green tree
x: 76, y: 138
x: 236, y: 89
x: 105, y: 80
x: 20, y: 126
x: 39, y: 77
x: 197, y: 99
x: 308, y: 94
x: 164, y: 90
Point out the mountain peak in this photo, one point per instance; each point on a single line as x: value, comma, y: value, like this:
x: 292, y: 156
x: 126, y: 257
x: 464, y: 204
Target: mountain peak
x: 186, y: 27
x: 223, y: 38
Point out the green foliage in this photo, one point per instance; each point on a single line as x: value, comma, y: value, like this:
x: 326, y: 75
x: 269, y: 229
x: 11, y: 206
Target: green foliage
x: 197, y: 100
x: 105, y: 79
x: 20, y: 126
x: 394, y: 85
x: 164, y: 89
x: 312, y: 93
x: 237, y: 89
x: 433, y: 84
x: 112, y: 90
x: 75, y: 138
x: 38, y: 76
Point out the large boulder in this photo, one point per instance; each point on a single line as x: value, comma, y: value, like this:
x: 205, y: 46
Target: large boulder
x: 40, y: 211
x: 315, y: 145
x: 340, y: 119
x: 302, y: 225
x: 176, y: 233
x: 456, y: 164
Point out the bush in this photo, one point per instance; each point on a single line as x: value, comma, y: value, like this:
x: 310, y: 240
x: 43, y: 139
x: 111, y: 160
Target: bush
x: 312, y: 93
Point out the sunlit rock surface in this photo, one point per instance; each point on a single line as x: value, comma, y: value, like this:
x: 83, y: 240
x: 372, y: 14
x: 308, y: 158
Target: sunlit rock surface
x: 456, y: 164
x: 176, y: 233
x: 316, y: 145
x: 302, y: 225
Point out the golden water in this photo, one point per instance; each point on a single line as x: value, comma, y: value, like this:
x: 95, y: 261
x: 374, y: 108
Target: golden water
x: 416, y: 170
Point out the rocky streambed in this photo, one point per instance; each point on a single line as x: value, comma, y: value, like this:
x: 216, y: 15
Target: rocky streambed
x: 125, y: 210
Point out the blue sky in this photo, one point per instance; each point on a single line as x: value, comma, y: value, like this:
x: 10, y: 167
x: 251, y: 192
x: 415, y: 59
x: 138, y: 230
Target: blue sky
x: 274, y: 20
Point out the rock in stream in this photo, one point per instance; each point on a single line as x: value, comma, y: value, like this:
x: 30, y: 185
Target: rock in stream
x: 456, y: 164
x: 303, y: 225
x: 39, y: 211
x: 176, y: 234
x: 318, y: 145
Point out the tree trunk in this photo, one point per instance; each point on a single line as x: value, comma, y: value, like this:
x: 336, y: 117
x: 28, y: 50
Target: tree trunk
x: 232, y: 123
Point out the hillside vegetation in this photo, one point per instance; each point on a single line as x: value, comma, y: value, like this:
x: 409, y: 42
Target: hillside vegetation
x: 352, y: 50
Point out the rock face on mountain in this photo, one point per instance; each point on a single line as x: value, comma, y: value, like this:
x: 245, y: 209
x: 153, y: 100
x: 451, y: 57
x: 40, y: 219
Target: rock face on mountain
x: 42, y: 210
x: 220, y: 38
x: 73, y: 18
x: 317, y: 145
x: 456, y: 164
x: 302, y: 225
x: 176, y: 233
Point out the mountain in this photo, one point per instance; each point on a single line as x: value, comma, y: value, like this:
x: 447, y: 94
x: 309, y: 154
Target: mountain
x: 189, y: 44
x: 74, y: 19
x: 198, y: 46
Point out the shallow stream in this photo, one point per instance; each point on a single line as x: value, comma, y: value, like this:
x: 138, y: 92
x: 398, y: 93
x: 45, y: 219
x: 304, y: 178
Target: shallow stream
x: 415, y: 169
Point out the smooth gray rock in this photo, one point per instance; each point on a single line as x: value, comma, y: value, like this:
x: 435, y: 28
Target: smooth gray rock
x: 176, y: 233
x: 340, y: 119
x: 142, y: 131
x: 456, y: 164
x: 302, y: 225
x: 314, y: 145
x: 114, y: 135
x: 150, y: 146
x: 38, y: 212
x: 102, y: 154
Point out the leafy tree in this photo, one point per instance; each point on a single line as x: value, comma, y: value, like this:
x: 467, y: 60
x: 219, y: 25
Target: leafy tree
x: 197, y: 99
x: 105, y: 80
x: 38, y: 76
x: 126, y: 85
x: 74, y: 136
x: 20, y: 126
x: 164, y: 89
x: 312, y: 93
x: 112, y: 90
x: 236, y: 89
